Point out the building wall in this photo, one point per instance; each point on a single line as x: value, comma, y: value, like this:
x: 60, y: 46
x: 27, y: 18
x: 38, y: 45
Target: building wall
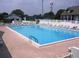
x: 70, y: 17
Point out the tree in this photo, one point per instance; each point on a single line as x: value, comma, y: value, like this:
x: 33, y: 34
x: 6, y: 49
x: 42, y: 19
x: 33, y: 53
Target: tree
x: 3, y: 17
x: 37, y: 16
x: 58, y: 14
x: 49, y: 15
x: 18, y: 12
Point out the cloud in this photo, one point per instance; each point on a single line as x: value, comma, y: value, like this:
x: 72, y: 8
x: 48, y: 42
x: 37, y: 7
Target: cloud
x: 34, y: 6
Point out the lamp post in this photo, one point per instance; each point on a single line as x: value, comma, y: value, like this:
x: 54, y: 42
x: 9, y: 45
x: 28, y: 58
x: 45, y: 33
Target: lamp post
x: 42, y: 7
x: 51, y: 4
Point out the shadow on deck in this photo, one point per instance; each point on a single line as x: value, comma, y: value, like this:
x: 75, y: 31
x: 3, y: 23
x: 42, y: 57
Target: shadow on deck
x: 4, y: 53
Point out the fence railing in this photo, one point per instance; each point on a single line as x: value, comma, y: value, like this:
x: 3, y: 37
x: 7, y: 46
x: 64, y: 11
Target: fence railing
x: 54, y: 20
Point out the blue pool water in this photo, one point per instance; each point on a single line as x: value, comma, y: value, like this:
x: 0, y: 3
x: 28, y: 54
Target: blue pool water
x: 45, y: 35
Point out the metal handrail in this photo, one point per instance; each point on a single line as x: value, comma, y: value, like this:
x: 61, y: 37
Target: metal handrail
x: 32, y: 37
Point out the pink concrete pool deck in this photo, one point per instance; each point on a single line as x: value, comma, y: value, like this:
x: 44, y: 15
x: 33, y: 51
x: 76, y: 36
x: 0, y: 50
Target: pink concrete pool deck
x: 20, y: 48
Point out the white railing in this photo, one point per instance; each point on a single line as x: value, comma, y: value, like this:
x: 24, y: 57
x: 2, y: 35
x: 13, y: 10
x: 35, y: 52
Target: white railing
x: 60, y: 23
x: 54, y: 20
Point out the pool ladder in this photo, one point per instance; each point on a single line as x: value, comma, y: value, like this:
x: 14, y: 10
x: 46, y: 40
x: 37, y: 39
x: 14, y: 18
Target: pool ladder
x: 34, y: 38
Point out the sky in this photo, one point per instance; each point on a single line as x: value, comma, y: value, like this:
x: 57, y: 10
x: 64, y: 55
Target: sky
x: 32, y: 7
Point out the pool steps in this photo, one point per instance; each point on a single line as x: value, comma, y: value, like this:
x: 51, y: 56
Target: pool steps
x: 34, y: 38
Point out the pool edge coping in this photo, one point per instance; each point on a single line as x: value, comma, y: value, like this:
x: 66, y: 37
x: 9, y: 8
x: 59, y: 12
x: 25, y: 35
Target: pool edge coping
x: 36, y: 44
x: 25, y: 38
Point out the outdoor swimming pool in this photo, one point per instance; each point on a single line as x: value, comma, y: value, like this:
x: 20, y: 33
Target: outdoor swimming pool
x: 45, y: 35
